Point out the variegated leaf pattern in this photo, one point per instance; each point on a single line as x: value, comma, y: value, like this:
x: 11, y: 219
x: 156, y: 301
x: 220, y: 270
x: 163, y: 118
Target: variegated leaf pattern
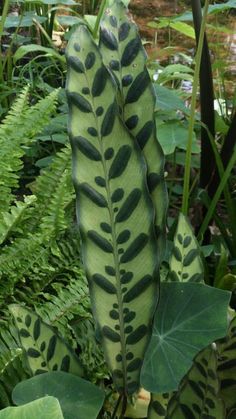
x: 227, y: 367
x: 115, y: 213
x: 158, y: 405
x: 198, y: 394
x: 45, y: 350
x: 186, y: 262
x: 124, y: 55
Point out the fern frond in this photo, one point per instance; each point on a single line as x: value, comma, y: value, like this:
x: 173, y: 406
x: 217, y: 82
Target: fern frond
x: 11, y: 221
x: 54, y: 193
x: 10, y: 123
x: 12, y: 366
x: 16, y: 133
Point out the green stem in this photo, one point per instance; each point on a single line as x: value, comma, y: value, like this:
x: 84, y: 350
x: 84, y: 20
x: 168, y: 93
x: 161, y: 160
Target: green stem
x: 99, y: 17
x: 185, y: 202
x: 217, y: 195
x: 2, y: 24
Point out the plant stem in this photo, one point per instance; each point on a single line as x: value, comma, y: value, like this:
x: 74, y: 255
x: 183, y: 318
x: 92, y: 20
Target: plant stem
x: 2, y: 24
x: 185, y: 202
x: 217, y: 194
x: 99, y: 17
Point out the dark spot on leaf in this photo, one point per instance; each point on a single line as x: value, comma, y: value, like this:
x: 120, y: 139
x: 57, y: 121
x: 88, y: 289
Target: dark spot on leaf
x: 90, y: 60
x: 124, y: 31
x: 100, y: 241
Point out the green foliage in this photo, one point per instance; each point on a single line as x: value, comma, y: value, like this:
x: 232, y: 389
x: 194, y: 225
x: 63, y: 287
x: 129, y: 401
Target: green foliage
x: 46, y: 407
x: 45, y: 350
x: 78, y: 398
x: 184, y: 323
x: 158, y: 406
x: 112, y: 240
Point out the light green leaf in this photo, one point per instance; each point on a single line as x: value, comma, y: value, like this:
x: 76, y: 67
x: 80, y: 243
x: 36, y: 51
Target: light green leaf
x: 174, y: 134
x: 50, y: 2
x: 46, y: 408
x: 115, y: 213
x: 26, y: 49
x: 188, y: 318
x: 79, y: 399
x: 186, y: 261
x: 45, y: 350
x: 183, y: 28
x: 158, y: 405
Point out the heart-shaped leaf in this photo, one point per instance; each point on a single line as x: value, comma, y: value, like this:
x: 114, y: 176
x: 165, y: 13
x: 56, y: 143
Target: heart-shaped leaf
x: 188, y: 318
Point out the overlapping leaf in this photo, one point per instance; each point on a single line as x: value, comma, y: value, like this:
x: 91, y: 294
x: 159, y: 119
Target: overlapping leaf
x: 46, y: 408
x: 123, y: 53
x: 115, y: 213
x: 198, y: 394
x: 227, y: 367
x: 79, y: 399
x: 45, y: 350
x: 186, y: 263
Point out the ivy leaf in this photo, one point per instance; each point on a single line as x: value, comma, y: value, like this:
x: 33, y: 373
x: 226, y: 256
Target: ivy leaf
x: 188, y: 318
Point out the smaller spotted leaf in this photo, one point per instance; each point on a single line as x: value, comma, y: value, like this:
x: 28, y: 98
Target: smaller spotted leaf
x: 198, y: 394
x: 45, y: 350
x: 185, y: 263
x: 227, y: 367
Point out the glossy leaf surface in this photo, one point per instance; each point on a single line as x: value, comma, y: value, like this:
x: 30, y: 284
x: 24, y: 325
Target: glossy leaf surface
x: 79, y: 399
x: 186, y: 262
x: 188, y: 318
x: 46, y: 408
x: 124, y: 55
x: 45, y: 350
x: 115, y: 213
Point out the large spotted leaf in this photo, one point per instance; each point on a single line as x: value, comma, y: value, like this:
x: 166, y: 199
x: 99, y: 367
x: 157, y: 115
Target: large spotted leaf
x: 125, y: 56
x: 186, y: 262
x: 45, y: 350
x: 198, y: 394
x: 188, y: 318
x: 227, y: 367
x: 115, y: 213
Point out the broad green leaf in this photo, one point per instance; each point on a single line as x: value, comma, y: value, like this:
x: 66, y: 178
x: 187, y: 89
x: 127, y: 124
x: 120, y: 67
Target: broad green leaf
x: 124, y: 54
x: 46, y: 408
x: 49, y: 2
x: 158, y: 406
x: 186, y: 263
x: 26, y: 49
x: 67, y: 20
x: 183, y: 28
x: 198, y: 394
x: 79, y: 399
x: 174, y: 134
x: 23, y: 21
x: 45, y: 350
x: 227, y: 367
x: 188, y: 318
x: 115, y: 213
x: 169, y: 100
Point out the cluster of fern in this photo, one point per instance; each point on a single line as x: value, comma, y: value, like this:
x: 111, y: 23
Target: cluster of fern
x: 39, y: 257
